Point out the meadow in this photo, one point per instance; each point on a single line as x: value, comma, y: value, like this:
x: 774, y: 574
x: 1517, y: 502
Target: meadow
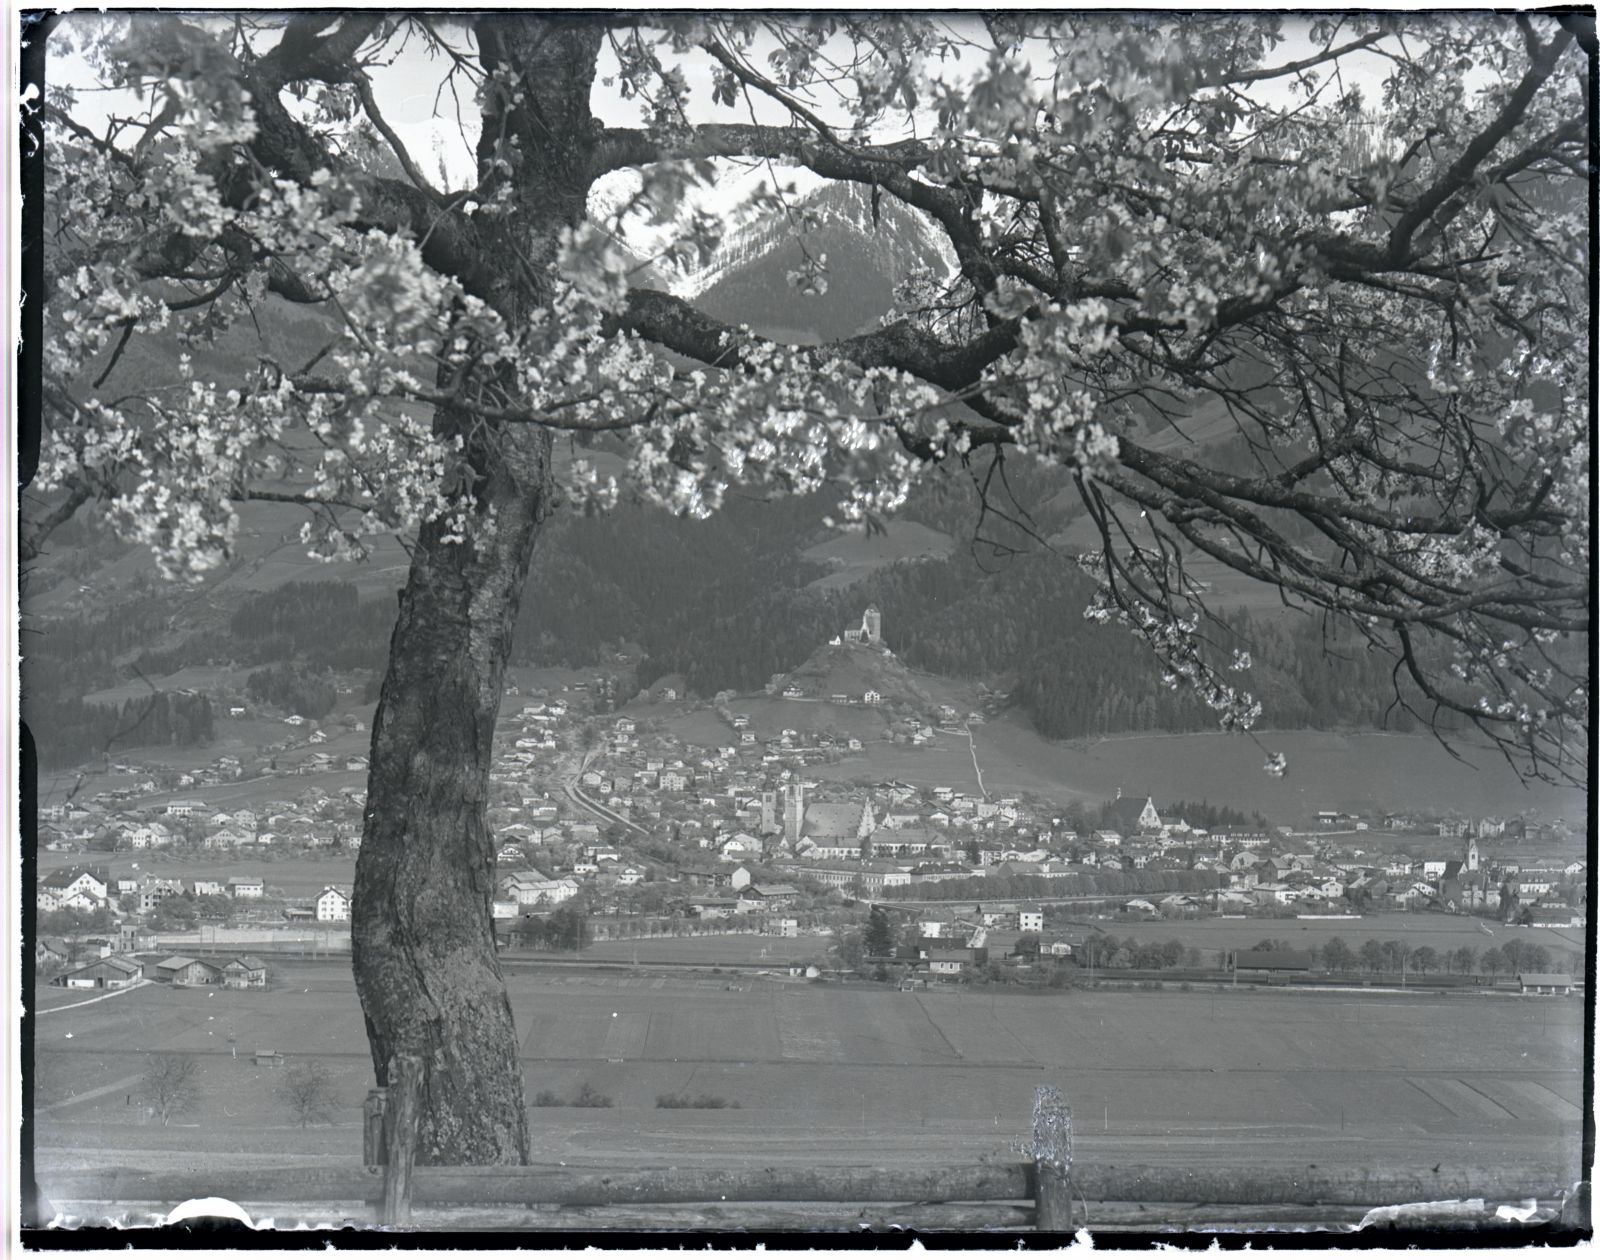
x: 862, y: 1074
x: 1359, y: 770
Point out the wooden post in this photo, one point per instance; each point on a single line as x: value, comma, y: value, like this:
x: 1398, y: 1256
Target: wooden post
x: 405, y: 1084
x: 1052, y: 1160
x: 372, y: 1113
x: 1575, y: 1208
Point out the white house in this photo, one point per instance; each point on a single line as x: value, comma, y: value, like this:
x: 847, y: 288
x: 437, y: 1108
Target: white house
x: 333, y: 905
x: 246, y: 887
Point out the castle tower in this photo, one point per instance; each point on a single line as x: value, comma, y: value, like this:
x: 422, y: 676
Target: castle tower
x: 872, y: 625
x: 794, y: 812
x: 1469, y: 860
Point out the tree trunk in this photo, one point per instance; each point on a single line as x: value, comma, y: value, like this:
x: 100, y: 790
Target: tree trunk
x: 421, y: 920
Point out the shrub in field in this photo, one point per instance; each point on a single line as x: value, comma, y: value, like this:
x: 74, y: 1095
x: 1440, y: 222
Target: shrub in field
x: 547, y: 1098
x: 588, y: 1096
x: 704, y: 1102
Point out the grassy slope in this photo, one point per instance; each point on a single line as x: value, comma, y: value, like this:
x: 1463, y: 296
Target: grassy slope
x: 853, y: 555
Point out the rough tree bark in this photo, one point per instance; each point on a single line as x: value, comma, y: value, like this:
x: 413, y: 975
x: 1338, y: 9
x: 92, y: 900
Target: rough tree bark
x: 422, y: 927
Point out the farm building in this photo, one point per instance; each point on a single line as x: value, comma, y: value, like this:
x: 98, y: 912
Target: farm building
x: 1272, y: 961
x: 179, y: 970
x: 244, y: 972
x: 241, y: 886
x: 103, y: 973
x: 1544, y: 982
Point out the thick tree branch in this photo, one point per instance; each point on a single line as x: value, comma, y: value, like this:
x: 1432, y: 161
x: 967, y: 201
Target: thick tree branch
x: 1461, y: 171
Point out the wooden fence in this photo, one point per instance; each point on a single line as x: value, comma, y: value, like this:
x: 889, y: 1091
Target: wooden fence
x: 1047, y: 1191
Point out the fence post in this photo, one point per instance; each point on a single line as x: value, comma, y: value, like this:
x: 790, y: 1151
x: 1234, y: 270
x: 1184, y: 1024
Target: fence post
x: 372, y: 1112
x: 1052, y: 1160
x: 405, y: 1084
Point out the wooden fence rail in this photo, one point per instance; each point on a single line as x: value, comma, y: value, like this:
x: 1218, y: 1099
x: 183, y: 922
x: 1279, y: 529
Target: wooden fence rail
x: 1046, y: 1192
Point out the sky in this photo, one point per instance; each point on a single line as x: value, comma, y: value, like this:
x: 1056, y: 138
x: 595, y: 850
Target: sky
x: 441, y: 138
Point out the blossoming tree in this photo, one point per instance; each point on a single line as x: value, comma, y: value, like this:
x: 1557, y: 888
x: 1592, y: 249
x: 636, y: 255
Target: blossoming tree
x: 1361, y: 243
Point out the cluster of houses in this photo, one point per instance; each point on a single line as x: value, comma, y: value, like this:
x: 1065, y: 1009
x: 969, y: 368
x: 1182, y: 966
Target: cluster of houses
x: 90, y: 888
x: 316, y: 819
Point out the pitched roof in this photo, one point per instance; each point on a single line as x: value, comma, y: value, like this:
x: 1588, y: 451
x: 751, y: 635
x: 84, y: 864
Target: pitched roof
x: 841, y: 820
x: 125, y: 965
x: 1273, y: 959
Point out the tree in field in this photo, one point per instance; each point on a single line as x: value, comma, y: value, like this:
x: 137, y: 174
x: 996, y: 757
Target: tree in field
x: 307, y: 1090
x: 1336, y: 955
x: 1377, y: 289
x: 878, y: 939
x: 1371, y: 956
x: 170, y: 1085
x: 1493, y: 961
x: 1465, y: 960
x: 1425, y: 959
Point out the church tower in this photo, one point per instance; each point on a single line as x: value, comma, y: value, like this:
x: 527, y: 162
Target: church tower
x: 1469, y: 860
x: 794, y: 812
x: 769, y: 811
x: 872, y: 625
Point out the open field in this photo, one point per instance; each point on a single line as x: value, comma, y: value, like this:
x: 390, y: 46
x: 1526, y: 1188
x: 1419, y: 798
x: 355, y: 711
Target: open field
x: 832, y: 1075
x: 1327, y: 770
x: 854, y: 554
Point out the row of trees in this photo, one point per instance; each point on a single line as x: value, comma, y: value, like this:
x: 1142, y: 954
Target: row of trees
x: 1393, y: 956
x: 566, y: 927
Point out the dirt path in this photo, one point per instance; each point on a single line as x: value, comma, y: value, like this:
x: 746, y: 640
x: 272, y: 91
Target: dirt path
x: 976, y: 768
x: 104, y: 997
x: 88, y: 1094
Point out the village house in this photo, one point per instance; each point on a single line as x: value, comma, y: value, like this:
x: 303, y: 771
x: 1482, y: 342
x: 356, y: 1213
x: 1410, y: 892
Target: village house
x: 332, y: 905
x: 246, y: 888
x: 87, y: 882
x: 244, y: 972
